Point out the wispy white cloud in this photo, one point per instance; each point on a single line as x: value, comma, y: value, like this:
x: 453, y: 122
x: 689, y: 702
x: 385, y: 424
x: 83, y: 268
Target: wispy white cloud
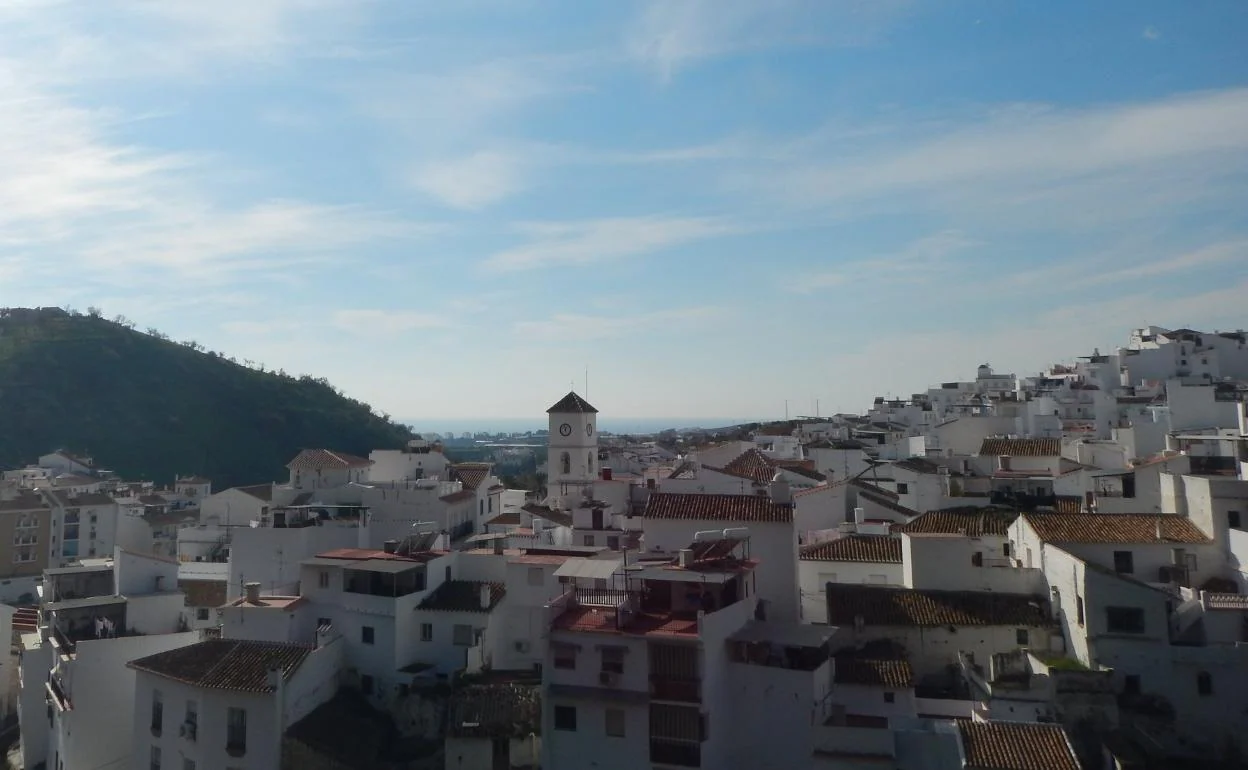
x: 471, y: 182
x: 1151, y: 33
x: 670, y: 34
x: 581, y: 243
x: 381, y: 322
x: 569, y: 327
x: 1222, y: 253
x: 914, y: 262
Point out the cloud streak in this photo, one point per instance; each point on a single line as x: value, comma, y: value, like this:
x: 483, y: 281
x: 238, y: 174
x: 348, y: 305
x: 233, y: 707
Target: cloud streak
x: 573, y: 328
x: 554, y: 244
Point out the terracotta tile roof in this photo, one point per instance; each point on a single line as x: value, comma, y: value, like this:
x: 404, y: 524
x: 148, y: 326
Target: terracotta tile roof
x: 1016, y: 746
x: 258, y: 491
x: 759, y: 508
x: 753, y: 464
x: 462, y: 495
x: 686, y: 470
x: 866, y: 485
x: 562, y: 518
x: 871, y: 548
x: 1114, y: 528
x: 974, y: 522
x: 67, y: 499
x: 26, y: 501
x: 887, y: 606
x: 918, y: 465
x: 508, y: 519
x: 572, y: 404
x: 817, y: 489
x: 873, y: 672
x: 153, y: 500
x: 889, y: 503
x: 462, y: 596
x: 321, y: 459
x: 471, y: 474
x: 1021, y: 447
x: 226, y: 664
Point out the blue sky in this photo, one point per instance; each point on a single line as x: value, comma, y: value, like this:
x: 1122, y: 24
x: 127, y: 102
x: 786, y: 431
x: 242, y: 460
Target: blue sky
x: 451, y: 209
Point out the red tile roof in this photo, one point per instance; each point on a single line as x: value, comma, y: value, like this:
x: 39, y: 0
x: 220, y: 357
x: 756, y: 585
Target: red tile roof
x: 869, y: 548
x: 756, y: 466
x: 1114, y: 528
x: 873, y: 672
x: 321, y: 459
x: 1016, y: 746
x: 572, y: 404
x: 973, y: 522
x: 461, y: 496
x: 602, y: 620
x: 1021, y: 447
x: 226, y: 664
x: 887, y: 606
x: 509, y: 519
x: 471, y: 474
x: 462, y: 596
x: 258, y: 491
x: 360, y: 554
x: 756, y: 508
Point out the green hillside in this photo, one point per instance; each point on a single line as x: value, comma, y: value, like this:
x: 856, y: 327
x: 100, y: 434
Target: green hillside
x: 151, y: 408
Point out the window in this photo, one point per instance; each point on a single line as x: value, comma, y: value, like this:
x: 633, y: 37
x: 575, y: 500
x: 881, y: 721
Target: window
x: 615, y: 723
x: 613, y: 659
x: 977, y: 559
x: 1005, y: 550
x: 1124, y: 562
x: 201, y: 613
x: 366, y: 634
x: 589, y: 540
x: 1079, y: 608
x: 426, y: 632
x: 322, y: 578
x: 188, y: 764
x: 565, y: 718
x: 1232, y: 519
x: 537, y: 576
x: 565, y: 463
x: 190, y: 725
x: 158, y: 712
x: 461, y: 635
x: 565, y: 655
x: 903, y: 488
x: 890, y: 697
x: 236, y: 731
x: 322, y: 622
x: 155, y: 765
x: 590, y: 462
x: 1124, y: 620
x: 1020, y: 637
x: 613, y: 542
x: 366, y: 684
x: 1204, y: 683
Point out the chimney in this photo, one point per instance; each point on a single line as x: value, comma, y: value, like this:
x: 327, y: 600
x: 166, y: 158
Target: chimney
x: 253, y: 592
x: 781, y: 493
x: 485, y: 596
x: 390, y: 546
x: 684, y: 556
x: 859, y: 515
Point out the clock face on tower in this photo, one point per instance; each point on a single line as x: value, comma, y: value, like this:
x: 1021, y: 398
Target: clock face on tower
x: 565, y: 430
x: 589, y: 430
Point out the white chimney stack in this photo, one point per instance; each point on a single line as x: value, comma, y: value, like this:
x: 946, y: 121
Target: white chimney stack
x: 859, y: 515
x: 253, y: 592
x: 781, y: 494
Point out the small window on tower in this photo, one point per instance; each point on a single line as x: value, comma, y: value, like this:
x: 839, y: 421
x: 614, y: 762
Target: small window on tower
x: 565, y: 462
x: 590, y: 460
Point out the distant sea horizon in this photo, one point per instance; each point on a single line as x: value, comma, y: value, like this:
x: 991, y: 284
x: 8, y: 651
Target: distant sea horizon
x: 617, y: 425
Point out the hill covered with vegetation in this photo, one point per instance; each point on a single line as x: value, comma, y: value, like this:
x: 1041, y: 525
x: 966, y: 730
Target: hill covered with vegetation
x: 151, y: 408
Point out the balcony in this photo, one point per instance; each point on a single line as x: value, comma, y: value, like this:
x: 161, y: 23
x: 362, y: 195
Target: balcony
x: 675, y: 690
x: 676, y: 753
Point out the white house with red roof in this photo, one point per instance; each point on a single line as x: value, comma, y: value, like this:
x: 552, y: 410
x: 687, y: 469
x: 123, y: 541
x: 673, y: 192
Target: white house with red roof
x: 314, y: 469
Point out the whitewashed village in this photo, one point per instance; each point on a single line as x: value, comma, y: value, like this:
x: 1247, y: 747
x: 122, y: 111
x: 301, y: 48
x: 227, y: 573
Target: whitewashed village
x: 1010, y: 572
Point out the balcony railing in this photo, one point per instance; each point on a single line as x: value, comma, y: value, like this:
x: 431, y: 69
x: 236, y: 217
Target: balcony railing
x: 679, y: 753
x: 678, y: 690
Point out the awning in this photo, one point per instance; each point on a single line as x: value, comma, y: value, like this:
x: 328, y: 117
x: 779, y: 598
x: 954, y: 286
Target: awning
x: 589, y: 568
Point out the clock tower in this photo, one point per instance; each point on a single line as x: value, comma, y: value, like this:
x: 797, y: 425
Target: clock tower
x: 572, y: 449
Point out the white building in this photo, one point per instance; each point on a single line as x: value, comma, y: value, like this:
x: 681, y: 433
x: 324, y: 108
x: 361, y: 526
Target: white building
x: 226, y: 703
x: 854, y: 559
